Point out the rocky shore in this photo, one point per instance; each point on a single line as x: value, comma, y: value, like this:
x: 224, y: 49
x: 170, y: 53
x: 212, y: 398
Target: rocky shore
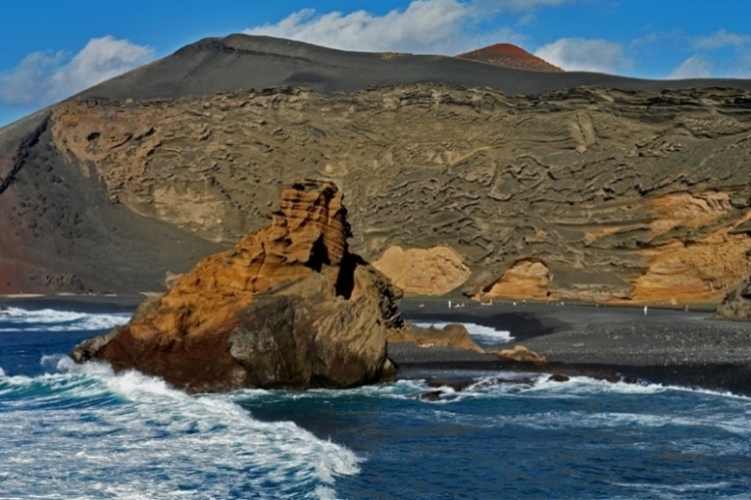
x: 664, y: 346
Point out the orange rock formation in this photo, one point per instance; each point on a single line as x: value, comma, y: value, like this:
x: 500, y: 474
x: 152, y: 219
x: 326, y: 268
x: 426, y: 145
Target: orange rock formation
x: 527, y: 278
x: 423, y: 271
x: 300, y: 270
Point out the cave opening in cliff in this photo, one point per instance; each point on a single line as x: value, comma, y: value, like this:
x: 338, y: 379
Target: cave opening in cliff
x: 319, y: 255
x: 345, y: 282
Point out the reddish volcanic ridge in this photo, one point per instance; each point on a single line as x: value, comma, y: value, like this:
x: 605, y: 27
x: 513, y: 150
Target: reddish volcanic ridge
x: 510, y: 56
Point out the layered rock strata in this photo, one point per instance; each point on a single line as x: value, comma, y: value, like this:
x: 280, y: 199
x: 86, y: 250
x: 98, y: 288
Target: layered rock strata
x: 288, y: 306
x: 584, y: 194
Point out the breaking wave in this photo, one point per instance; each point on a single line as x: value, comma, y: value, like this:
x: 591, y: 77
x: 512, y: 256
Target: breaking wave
x: 85, y: 432
x: 51, y: 320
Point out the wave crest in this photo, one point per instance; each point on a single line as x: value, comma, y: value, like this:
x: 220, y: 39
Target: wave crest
x: 131, y: 435
x: 16, y: 319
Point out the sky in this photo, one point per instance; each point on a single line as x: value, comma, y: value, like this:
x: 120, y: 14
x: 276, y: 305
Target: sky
x: 52, y: 49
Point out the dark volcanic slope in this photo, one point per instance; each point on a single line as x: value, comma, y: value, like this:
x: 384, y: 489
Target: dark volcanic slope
x: 582, y: 193
x: 61, y: 232
x: 243, y: 62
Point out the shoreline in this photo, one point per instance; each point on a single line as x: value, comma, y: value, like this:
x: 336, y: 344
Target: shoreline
x: 666, y: 346
x: 84, y: 303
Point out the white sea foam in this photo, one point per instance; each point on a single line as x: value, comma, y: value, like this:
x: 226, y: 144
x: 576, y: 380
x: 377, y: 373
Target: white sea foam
x: 484, y: 334
x: 96, y: 434
x: 539, y: 386
x: 51, y: 320
x: 734, y: 422
x: 585, y: 386
x: 663, y: 489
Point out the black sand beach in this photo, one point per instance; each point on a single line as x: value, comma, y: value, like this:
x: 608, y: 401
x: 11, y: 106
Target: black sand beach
x: 83, y: 303
x: 663, y: 346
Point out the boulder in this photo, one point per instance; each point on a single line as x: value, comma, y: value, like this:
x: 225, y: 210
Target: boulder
x: 287, y: 307
x: 521, y: 354
x: 737, y: 303
x: 452, y: 335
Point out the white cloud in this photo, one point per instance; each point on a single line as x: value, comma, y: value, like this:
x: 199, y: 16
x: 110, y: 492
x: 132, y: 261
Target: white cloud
x: 722, y: 39
x: 41, y: 78
x: 580, y: 54
x: 425, y: 26
x: 525, y: 5
x: 694, y: 67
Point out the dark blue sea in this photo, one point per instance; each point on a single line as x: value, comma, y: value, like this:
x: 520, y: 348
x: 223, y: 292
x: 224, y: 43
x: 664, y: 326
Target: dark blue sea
x: 69, y: 431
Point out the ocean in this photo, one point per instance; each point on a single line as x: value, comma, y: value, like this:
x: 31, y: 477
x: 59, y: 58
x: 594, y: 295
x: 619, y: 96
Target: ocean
x: 70, y: 431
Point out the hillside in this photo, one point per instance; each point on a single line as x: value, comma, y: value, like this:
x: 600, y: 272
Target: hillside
x: 510, y: 56
x: 502, y: 182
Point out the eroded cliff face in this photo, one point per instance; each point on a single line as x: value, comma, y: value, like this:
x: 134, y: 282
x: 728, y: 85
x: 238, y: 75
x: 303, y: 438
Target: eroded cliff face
x: 612, y: 195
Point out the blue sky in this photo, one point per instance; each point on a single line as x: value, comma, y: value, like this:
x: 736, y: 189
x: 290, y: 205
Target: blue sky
x: 51, y: 49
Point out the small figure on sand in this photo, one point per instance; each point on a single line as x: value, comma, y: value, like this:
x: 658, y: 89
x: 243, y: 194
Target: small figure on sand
x: 449, y: 303
x: 645, y: 310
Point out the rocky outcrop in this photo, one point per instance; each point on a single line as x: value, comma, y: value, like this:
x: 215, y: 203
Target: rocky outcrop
x: 423, y: 271
x: 288, y: 306
x: 452, y: 335
x: 737, y: 303
x: 527, y: 278
x: 521, y: 354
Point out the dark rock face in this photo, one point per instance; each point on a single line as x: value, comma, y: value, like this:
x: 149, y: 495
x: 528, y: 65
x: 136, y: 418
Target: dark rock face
x: 288, y: 307
x: 304, y: 336
x: 737, y: 303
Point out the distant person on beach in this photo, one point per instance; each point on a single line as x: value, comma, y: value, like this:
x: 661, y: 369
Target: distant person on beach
x: 449, y: 303
x: 645, y: 310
